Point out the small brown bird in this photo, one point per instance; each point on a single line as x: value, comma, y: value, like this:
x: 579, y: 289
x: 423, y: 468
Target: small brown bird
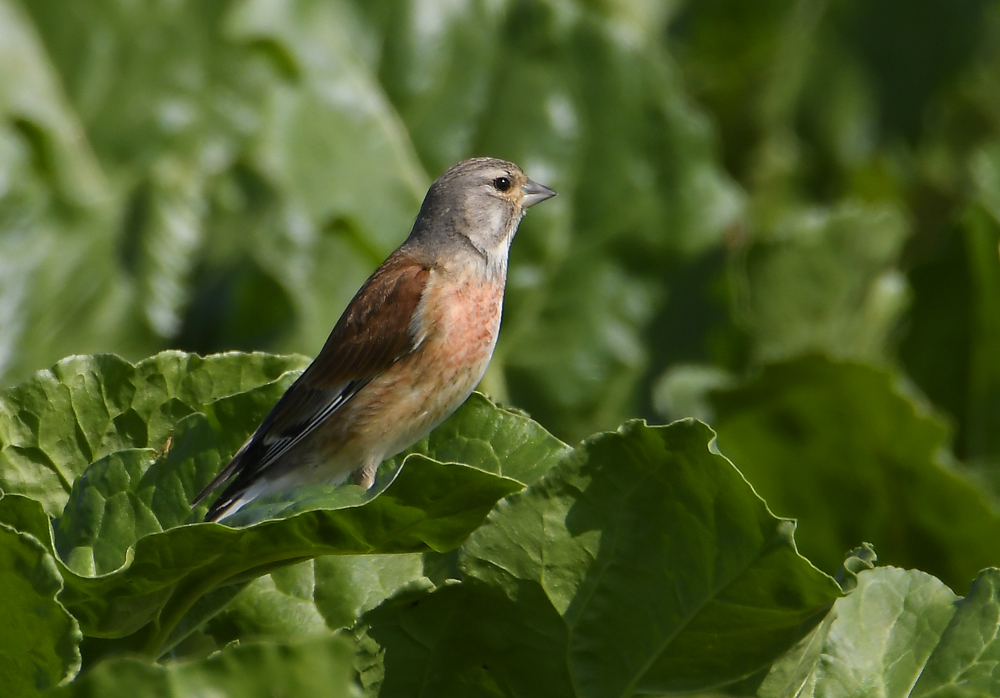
x: 410, y: 348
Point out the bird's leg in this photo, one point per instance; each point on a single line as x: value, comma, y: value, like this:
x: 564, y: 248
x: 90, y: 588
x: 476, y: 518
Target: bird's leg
x: 365, y: 475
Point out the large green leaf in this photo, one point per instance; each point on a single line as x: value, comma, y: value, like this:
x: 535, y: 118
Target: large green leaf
x: 465, y: 639
x: 841, y: 447
x: 639, y: 511
x: 501, y: 441
x: 317, y: 667
x: 427, y: 506
x: 39, y: 641
x: 900, y: 633
x: 579, y: 564
x: 55, y: 424
x: 315, y: 596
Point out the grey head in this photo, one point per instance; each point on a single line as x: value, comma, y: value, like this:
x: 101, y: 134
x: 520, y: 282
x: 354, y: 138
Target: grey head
x: 480, y: 202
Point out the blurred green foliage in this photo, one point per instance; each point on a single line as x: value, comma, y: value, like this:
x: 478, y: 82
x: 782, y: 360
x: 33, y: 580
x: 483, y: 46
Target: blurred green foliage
x: 781, y: 217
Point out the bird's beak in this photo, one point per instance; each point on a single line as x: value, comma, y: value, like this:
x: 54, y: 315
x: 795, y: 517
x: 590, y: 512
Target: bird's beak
x: 535, y: 193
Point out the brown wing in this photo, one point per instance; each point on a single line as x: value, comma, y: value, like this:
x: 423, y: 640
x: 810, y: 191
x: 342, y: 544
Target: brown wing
x: 374, y: 332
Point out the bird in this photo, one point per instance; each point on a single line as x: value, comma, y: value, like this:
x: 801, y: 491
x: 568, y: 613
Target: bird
x: 408, y: 350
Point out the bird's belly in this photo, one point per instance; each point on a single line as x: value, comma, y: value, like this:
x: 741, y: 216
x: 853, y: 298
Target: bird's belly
x: 404, y: 403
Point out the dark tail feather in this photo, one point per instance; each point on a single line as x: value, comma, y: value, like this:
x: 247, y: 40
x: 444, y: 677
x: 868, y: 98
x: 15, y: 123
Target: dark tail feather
x: 216, y: 511
x: 228, y: 503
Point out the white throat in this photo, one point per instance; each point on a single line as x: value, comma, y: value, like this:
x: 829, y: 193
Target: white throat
x: 497, y: 253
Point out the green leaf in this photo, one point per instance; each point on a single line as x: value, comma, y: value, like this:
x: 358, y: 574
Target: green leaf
x: 900, y: 633
x: 315, y: 596
x: 643, y: 510
x: 964, y: 661
x: 858, y: 560
x: 39, y: 645
x: 316, y: 667
x: 131, y: 493
x: 495, y: 439
x: 596, y: 541
x: 106, y: 515
x: 793, y: 669
x: 427, y: 506
x: 839, y: 446
x: 55, y: 424
x: 465, y: 639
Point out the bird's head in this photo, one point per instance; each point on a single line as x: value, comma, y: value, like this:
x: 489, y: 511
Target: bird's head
x: 482, y: 200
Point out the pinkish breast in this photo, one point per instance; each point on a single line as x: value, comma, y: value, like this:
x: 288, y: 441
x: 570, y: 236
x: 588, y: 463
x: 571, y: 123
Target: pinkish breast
x: 460, y: 319
x: 467, y: 319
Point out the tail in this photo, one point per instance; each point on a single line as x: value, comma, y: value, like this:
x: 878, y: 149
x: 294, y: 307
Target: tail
x: 224, y: 506
x: 230, y: 500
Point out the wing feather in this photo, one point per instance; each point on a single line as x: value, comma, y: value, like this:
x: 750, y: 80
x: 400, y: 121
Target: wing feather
x: 375, y: 331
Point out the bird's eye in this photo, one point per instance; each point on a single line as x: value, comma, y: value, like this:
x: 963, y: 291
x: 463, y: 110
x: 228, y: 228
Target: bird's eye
x: 502, y: 183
